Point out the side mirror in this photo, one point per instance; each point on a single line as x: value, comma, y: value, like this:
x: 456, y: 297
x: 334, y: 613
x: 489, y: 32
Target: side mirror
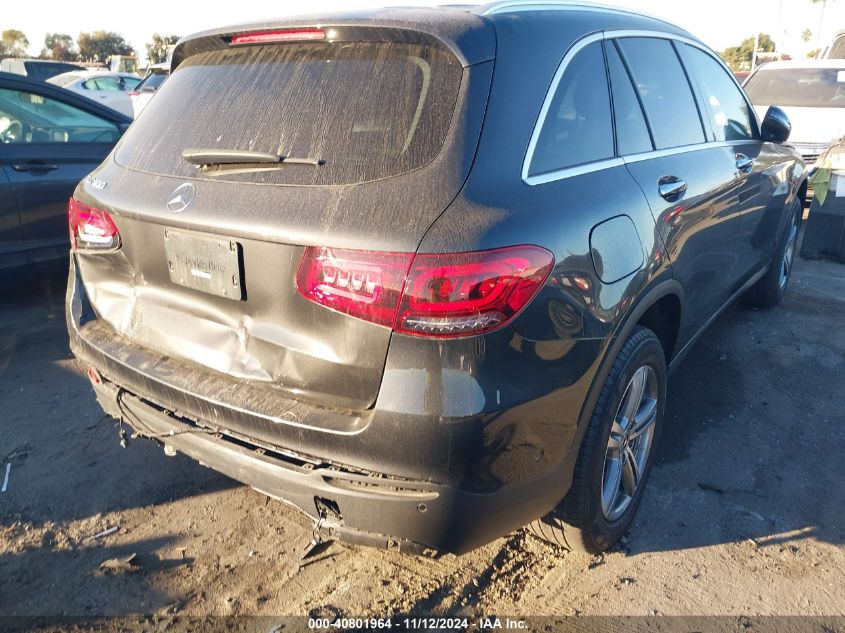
x: 776, y: 126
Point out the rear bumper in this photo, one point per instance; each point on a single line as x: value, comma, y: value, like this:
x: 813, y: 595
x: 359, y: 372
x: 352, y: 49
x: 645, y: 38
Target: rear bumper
x: 415, y: 481
x: 364, y: 508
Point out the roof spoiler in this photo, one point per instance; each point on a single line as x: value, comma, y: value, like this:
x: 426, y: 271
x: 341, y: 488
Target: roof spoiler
x: 469, y: 37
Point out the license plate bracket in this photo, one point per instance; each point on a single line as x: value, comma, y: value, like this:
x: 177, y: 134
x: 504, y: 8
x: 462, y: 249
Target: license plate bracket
x: 208, y: 264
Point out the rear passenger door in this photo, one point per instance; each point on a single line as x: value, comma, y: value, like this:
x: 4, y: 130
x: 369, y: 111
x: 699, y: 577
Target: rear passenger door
x: 688, y: 180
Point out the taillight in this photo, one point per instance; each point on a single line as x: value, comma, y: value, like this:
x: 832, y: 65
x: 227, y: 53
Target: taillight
x: 90, y: 228
x: 134, y: 93
x: 468, y: 293
x: 363, y: 284
x: 444, y: 295
x: 285, y: 35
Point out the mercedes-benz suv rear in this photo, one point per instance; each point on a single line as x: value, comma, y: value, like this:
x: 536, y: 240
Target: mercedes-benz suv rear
x: 344, y: 261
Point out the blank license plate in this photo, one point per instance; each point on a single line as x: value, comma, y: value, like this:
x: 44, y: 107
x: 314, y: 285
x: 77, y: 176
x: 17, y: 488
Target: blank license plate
x: 204, y: 263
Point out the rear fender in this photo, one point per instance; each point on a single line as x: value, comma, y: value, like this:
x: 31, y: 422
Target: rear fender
x: 649, y: 298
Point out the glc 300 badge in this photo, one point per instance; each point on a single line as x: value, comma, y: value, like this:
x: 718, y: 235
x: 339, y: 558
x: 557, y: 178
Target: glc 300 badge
x: 97, y: 183
x: 181, y: 197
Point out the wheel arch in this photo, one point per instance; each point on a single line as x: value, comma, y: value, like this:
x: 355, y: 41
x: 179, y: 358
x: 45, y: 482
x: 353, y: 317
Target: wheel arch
x: 799, y: 194
x: 653, y: 301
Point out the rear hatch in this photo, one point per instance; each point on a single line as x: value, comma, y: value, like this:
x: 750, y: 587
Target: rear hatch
x: 386, y: 121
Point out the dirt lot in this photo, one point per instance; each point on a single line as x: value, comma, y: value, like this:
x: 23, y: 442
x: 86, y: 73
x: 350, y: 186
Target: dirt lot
x: 744, y: 514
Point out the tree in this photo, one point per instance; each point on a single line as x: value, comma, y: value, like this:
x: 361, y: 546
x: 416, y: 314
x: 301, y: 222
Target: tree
x: 806, y: 34
x: 13, y: 43
x: 157, y: 49
x: 739, y: 57
x: 58, y: 46
x: 100, y: 45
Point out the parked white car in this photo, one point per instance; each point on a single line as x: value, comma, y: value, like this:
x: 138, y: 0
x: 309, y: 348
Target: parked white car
x: 107, y: 88
x: 145, y: 90
x: 811, y: 92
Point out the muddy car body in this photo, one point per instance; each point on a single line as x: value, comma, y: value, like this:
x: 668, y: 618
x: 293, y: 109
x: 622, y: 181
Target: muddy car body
x: 418, y: 416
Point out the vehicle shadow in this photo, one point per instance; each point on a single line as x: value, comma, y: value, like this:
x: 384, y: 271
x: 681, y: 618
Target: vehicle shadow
x: 753, y: 439
x: 66, y: 460
x: 41, y: 580
x: 69, y: 478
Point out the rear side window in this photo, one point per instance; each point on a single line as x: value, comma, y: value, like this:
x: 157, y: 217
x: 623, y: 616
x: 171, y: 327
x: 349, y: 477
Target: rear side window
x: 729, y: 114
x: 664, y: 91
x: 632, y: 136
x: 578, y: 127
x: 109, y: 84
x: 367, y: 110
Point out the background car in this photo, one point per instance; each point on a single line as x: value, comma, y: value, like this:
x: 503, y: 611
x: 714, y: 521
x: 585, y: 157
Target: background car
x: 836, y: 49
x: 50, y: 139
x: 109, y: 89
x: 40, y: 69
x: 144, y: 91
x: 811, y: 92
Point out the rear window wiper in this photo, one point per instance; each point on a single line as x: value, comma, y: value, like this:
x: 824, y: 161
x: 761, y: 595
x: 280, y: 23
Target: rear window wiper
x: 240, y: 159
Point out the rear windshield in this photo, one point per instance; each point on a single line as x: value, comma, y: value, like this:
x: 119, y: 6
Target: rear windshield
x: 797, y: 87
x: 153, y: 80
x: 365, y: 110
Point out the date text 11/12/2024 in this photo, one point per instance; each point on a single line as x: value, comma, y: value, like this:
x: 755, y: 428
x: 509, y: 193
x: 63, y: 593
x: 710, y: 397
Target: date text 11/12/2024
x: 417, y: 623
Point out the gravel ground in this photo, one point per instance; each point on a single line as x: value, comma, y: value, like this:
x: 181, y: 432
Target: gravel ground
x: 744, y: 513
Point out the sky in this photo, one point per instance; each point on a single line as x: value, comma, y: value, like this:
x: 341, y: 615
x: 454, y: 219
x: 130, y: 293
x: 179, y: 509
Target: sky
x: 720, y: 23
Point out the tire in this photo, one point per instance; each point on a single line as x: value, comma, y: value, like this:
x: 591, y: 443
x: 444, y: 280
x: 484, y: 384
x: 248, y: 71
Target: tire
x: 771, y: 287
x: 585, y: 521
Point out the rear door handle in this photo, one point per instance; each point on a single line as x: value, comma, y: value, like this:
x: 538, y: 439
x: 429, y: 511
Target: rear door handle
x: 744, y: 164
x: 671, y: 188
x: 35, y: 167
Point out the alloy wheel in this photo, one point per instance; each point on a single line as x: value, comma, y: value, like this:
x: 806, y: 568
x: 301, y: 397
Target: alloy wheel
x: 788, y: 253
x: 629, y: 443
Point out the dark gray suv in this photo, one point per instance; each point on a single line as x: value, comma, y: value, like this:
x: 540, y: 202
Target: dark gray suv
x: 422, y: 273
